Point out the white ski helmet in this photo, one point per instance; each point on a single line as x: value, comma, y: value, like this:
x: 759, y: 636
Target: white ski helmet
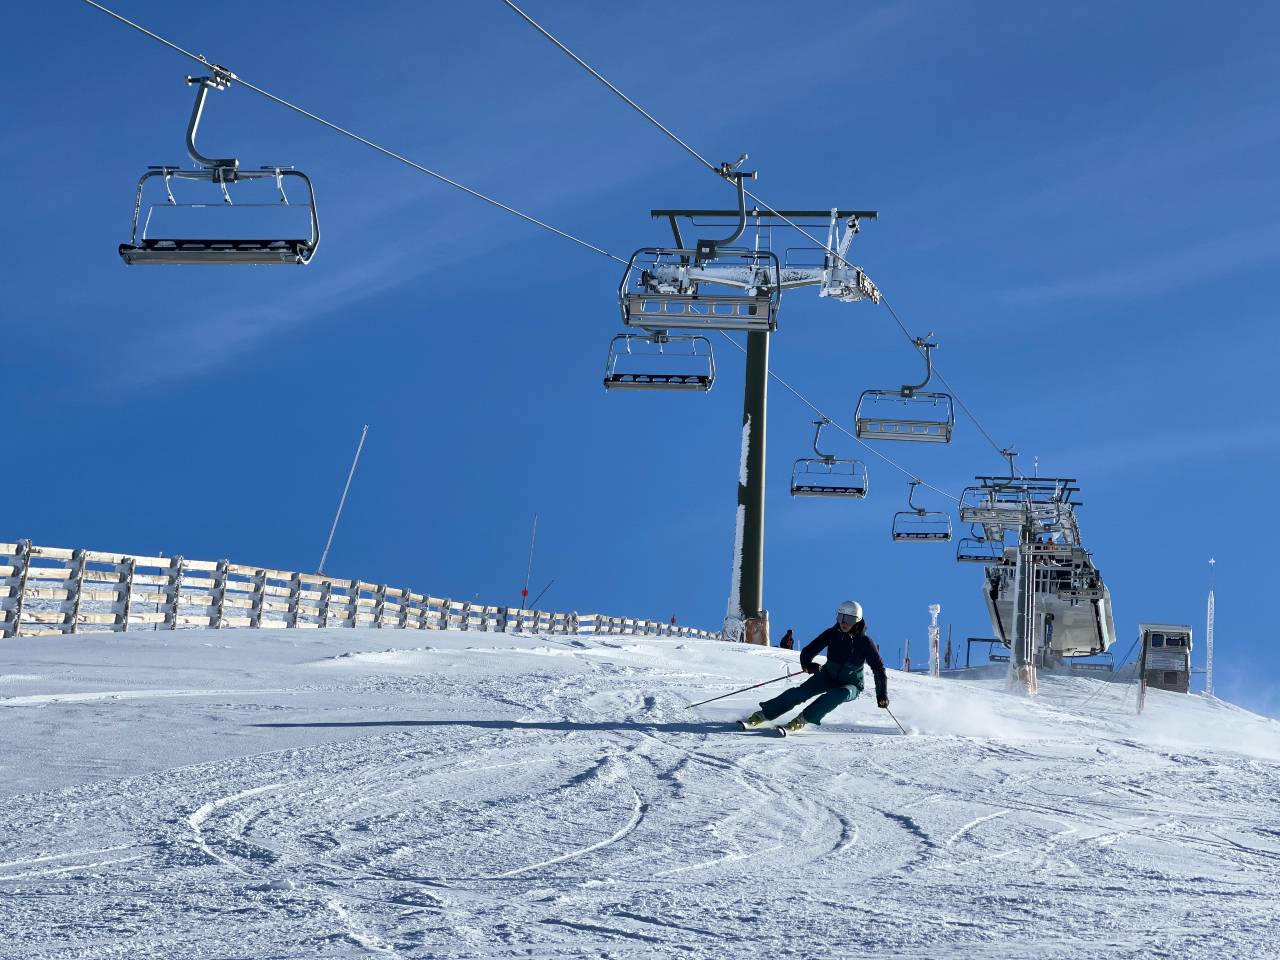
x: 850, y: 610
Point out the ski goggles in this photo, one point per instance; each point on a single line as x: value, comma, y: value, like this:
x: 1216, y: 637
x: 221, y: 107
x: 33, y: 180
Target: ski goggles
x: 846, y: 619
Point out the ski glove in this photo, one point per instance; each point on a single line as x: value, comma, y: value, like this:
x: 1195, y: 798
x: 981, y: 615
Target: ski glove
x: 883, y: 703
x: 810, y: 668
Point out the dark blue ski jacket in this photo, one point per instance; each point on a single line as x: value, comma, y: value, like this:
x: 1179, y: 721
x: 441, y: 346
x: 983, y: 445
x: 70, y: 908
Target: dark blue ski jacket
x: 847, y: 653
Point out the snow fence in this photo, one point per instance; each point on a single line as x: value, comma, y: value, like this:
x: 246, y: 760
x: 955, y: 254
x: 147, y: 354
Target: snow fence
x: 58, y: 590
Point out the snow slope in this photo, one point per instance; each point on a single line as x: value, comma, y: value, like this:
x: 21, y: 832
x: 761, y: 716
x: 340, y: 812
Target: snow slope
x: 383, y: 793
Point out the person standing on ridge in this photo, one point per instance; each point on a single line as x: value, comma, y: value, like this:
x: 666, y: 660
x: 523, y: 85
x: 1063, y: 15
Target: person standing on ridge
x: 837, y: 681
x: 788, y: 641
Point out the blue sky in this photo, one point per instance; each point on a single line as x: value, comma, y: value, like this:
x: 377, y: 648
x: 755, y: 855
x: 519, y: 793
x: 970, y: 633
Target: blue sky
x: 1079, y: 201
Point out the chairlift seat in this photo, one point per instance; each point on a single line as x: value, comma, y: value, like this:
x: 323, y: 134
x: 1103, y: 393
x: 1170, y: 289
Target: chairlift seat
x: 828, y: 490
x: 192, y: 251
x: 922, y: 535
x: 657, y: 381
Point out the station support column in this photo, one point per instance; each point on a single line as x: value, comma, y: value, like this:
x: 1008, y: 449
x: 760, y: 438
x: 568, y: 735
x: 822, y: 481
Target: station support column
x: 751, y: 486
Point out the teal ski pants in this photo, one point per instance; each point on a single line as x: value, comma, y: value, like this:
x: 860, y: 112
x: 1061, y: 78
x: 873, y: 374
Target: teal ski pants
x: 826, y: 688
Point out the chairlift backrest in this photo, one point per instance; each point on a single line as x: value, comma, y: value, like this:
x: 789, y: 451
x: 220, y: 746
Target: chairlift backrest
x: 666, y: 288
x: 660, y: 362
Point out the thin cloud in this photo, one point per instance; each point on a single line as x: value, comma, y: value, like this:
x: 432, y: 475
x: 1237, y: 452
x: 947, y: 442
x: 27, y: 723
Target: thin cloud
x: 1168, y: 271
x: 1169, y: 448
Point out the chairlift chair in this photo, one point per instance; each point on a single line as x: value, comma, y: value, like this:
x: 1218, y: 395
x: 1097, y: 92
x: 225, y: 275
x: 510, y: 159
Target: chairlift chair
x: 918, y: 525
x: 979, y: 550
x: 909, y: 413
x: 287, y: 247
x: 827, y: 475
x: 712, y: 287
x: 658, y: 361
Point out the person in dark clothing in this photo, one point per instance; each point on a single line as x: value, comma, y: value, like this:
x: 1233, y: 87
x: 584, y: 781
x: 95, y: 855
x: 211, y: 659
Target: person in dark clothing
x: 837, y: 681
x: 788, y: 641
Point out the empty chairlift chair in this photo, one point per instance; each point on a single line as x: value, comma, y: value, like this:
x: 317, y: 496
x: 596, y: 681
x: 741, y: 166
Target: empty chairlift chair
x: 825, y: 475
x: 711, y: 287
x: 916, y: 524
x: 909, y: 413
x: 270, y: 230
x: 979, y: 549
x: 658, y: 361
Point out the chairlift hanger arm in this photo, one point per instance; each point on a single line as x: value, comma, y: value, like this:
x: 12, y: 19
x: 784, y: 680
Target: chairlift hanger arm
x: 817, y: 435
x: 706, y: 249
x: 221, y: 79
x: 925, y: 346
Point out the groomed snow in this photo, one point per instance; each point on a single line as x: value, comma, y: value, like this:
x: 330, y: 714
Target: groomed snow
x: 398, y: 794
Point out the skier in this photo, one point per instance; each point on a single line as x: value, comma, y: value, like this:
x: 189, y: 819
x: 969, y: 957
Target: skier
x: 788, y: 641
x: 838, y: 680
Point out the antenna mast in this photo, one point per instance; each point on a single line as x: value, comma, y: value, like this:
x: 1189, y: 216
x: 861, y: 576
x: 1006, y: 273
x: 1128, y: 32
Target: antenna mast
x: 343, y: 501
x: 1208, y: 636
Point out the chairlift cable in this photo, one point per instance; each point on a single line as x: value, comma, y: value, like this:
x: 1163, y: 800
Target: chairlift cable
x: 716, y: 170
x: 814, y: 407
x: 199, y: 58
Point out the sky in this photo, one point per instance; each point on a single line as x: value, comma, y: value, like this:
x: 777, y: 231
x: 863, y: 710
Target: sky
x: 1079, y: 202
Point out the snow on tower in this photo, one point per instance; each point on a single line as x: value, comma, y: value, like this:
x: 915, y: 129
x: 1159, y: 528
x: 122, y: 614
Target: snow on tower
x: 935, y: 660
x: 1208, y: 636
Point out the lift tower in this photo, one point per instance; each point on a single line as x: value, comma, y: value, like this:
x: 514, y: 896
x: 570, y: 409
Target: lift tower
x: 720, y: 265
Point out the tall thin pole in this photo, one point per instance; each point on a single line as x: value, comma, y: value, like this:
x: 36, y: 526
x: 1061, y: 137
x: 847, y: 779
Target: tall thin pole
x: 748, y: 585
x: 528, y: 571
x: 1208, y: 636
x: 343, y: 500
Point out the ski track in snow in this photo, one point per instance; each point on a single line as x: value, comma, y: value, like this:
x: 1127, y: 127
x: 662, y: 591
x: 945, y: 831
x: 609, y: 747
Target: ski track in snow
x: 320, y: 795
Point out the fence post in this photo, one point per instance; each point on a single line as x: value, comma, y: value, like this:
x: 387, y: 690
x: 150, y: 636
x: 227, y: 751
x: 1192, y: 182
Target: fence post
x: 295, y: 599
x: 259, y: 596
x: 173, y: 592
x: 76, y: 581
x: 444, y: 613
x: 126, y: 579
x: 406, y: 601
x: 220, y: 574
x: 379, y: 605
x: 21, y: 562
x: 353, y: 594
x: 326, y: 591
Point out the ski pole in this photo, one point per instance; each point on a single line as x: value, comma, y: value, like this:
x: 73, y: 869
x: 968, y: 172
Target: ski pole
x: 895, y: 720
x: 745, y: 689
